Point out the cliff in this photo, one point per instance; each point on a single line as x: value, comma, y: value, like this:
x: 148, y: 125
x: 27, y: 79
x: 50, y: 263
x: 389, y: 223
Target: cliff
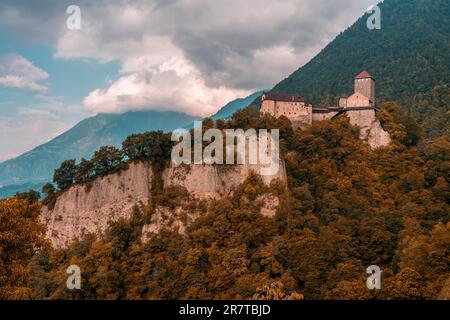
x: 84, y: 209
x: 370, y: 128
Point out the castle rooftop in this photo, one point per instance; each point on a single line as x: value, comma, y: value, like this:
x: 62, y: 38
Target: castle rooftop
x: 282, y: 97
x: 363, y: 75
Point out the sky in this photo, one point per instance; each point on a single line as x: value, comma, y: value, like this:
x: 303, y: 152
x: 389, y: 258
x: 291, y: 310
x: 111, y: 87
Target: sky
x: 191, y: 56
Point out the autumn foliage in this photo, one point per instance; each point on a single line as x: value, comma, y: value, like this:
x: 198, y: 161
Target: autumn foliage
x: 345, y: 207
x: 21, y: 236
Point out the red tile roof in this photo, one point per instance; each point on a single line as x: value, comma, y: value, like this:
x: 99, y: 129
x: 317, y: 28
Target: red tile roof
x: 282, y: 97
x: 363, y: 75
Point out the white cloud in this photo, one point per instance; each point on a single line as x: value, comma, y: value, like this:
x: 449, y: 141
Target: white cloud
x: 18, y: 72
x: 174, y: 85
x: 191, y: 56
x: 36, y: 113
x: 187, y: 55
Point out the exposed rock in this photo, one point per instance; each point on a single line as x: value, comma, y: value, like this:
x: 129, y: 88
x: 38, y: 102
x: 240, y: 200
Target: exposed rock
x: 370, y: 130
x: 206, y: 181
x: 88, y: 209
x: 175, y: 220
x: 269, y: 206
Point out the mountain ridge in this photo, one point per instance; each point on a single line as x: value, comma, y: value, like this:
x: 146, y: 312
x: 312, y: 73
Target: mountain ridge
x: 83, y: 139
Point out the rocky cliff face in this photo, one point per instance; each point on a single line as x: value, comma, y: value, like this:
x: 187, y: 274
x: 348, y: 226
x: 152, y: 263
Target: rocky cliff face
x: 205, y: 181
x: 371, y: 130
x: 86, y: 209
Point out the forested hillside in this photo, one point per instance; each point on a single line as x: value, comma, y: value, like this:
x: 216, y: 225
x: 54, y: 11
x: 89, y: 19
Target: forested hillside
x: 345, y: 207
x: 408, y: 56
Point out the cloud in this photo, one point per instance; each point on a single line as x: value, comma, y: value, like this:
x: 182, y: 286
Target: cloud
x: 36, y: 113
x: 186, y: 55
x: 18, y: 72
x: 174, y: 85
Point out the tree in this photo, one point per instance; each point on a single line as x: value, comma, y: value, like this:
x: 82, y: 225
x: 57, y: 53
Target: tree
x: 155, y: 146
x: 105, y: 159
x: 65, y: 174
x: 50, y: 195
x: 275, y: 291
x: 48, y: 189
x: 31, y: 196
x: 20, y: 237
x: 85, y: 171
x: 408, y: 284
x: 400, y: 126
x: 414, y: 132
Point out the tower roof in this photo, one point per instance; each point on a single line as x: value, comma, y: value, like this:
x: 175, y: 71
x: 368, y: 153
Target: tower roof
x: 363, y: 75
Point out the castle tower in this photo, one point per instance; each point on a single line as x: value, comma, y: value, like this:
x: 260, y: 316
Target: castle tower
x: 365, y: 84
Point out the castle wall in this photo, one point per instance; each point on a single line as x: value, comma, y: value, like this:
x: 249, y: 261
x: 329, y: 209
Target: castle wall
x: 297, y: 112
x: 357, y: 100
x: 343, y: 102
x: 366, y: 86
x: 320, y: 116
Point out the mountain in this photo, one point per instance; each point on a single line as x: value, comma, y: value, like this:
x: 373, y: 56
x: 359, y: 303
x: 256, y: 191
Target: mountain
x: 34, y: 168
x: 408, y: 56
x: 83, y: 140
x: 12, y: 189
x: 230, y: 108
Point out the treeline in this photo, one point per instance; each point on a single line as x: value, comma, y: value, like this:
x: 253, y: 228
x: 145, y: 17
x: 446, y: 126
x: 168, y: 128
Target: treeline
x: 153, y: 146
x: 346, y: 207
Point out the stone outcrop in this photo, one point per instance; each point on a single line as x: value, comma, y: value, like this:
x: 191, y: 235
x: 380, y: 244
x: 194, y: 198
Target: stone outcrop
x: 269, y: 205
x: 176, y: 220
x: 84, y: 209
x: 205, y: 181
x: 370, y: 128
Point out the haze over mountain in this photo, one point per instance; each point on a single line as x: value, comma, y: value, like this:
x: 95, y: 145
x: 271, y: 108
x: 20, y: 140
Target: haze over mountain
x: 83, y: 140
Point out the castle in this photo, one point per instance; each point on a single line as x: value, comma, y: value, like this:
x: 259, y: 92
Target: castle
x: 360, y: 107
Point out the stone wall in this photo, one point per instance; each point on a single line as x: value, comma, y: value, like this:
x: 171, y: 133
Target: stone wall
x: 358, y: 100
x: 298, y: 112
x: 320, y: 116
